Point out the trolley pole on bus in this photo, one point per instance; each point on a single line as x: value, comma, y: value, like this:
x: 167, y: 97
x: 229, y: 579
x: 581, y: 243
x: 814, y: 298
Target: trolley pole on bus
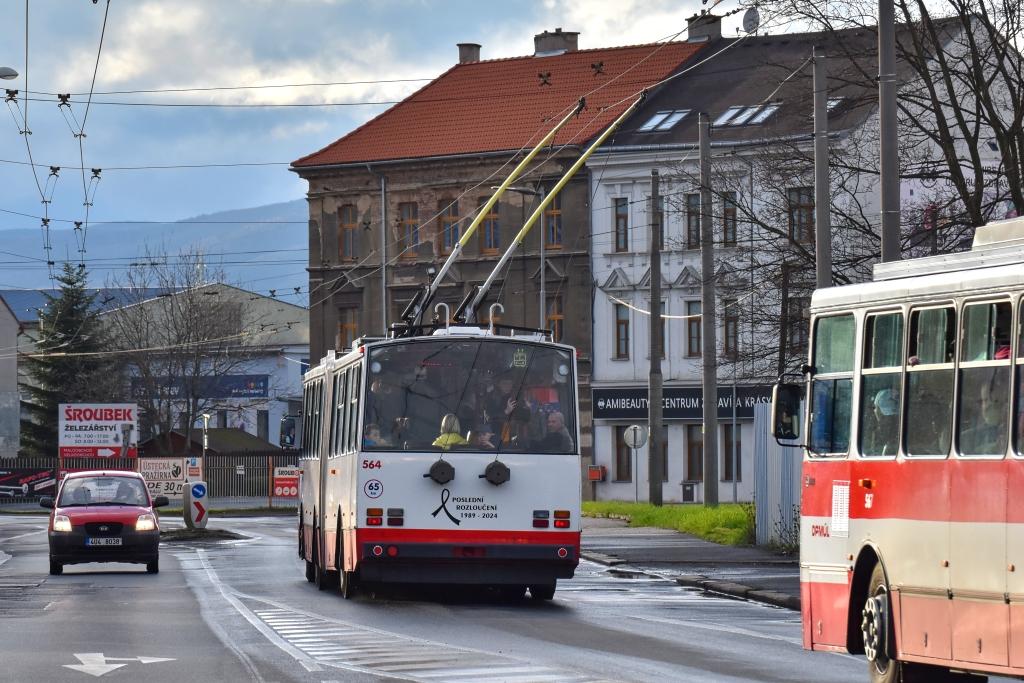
x: 709, y: 381
x: 654, y: 403
x: 822, y: 191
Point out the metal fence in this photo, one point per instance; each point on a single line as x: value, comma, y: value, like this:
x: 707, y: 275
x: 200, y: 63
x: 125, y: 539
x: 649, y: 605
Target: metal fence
x: 776, y: 484
x: 234, y: 475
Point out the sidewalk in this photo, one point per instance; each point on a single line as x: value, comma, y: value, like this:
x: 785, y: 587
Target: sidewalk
x: 744, y: 572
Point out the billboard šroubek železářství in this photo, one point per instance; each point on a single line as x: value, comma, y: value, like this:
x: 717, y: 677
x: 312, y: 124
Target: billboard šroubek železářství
x: 106, y: 430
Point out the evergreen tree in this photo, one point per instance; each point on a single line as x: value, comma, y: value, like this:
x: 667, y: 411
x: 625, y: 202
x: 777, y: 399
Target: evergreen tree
x: 69, y: 325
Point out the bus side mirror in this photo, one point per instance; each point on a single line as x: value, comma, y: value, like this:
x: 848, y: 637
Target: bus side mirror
x: 786, y: 411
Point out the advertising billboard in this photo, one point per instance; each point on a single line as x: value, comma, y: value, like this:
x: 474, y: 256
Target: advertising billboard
x: 103, y: 430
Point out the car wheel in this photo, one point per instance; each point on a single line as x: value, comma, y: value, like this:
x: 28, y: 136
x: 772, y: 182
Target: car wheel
x: 153, y: 567
x: 56, y: 568
x: 544, y: 591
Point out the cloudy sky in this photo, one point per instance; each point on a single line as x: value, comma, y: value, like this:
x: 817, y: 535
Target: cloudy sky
x: 195, y: 44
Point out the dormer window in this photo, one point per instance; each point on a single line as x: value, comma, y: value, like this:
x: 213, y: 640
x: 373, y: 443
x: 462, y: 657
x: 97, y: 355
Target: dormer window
x: 833, y: 103
x: 766, y: 113
x: 663, y: 120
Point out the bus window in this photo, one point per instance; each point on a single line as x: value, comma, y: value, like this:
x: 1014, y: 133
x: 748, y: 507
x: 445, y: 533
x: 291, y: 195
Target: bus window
x: 880, y: 385
x: 831, y: 395
x: 505, y: 396
x: 930, y: 381
x: 984, y: 391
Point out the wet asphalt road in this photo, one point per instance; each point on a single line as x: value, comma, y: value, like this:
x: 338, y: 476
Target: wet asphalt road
x: 240, y: 611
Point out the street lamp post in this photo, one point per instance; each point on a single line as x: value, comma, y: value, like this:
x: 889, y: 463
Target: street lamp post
x: 543, y: 295
x: 206, y: 425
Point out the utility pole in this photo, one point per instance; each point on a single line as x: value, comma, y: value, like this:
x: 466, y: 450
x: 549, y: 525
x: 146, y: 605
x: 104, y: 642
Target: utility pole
x: 707, y: 318
x: 889, y: 144
x: 383, y: 255
x: 654, y: 404
x: 822, y: 191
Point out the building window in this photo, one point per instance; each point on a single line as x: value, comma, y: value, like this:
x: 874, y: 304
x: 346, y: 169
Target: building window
x: 621, y: 224
x: 490, y: 230
x: 346, y: 328
x: 347, y: 232
x: 658, y: 214
x: 409, y: 227
x: 731, y: 440
x: 449, y: 217
x: 623, y: 456
x: 555, y: 316
x: 693, y: 221
x: 800, y: 202
x: 798, y: 322
x: 553, y: 223
x: 731, y: 324
x: 729, y: 219
x: 663, y: 120
x: 621, y: 331
x: 694, y: 453
x: 693, y: 320
x: 263, y: 425
x: 222, y: 419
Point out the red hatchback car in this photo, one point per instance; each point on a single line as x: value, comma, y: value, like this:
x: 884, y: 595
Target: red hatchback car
x: 103, y: 516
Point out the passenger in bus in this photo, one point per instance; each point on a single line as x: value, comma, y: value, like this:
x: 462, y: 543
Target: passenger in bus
x: 372, y: 437
x: 482, y: 437
x: 450, y: 433
x: 557, y: 439
x: 883, y: 437
x: 987, y: 436
x: 385, y: 407
x: 507, y: 412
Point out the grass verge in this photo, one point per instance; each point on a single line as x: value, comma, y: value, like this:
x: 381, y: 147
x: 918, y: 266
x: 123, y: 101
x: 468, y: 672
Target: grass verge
x: 728, y: 524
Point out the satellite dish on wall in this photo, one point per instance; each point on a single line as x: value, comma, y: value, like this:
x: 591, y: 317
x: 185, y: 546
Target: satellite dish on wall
x: 751, y: 20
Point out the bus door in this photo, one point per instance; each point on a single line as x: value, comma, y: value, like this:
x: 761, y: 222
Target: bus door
x: 825, y: 528
x: 1015, y: 512
x: 978, y: 553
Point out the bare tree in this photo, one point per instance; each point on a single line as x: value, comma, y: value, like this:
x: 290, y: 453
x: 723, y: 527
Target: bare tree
x: 179, y: 330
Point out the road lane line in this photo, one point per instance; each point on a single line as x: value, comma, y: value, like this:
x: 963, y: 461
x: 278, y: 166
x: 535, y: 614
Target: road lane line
x: 30, y: 533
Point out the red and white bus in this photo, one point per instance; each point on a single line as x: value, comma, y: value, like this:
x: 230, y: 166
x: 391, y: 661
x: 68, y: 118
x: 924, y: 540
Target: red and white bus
x: 448, y: 458
x: 912, y: 518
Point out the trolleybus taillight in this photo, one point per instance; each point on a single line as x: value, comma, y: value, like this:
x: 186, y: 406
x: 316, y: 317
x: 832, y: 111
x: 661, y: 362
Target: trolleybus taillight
x: 540, y: 519
x: 561, y: 519
x: 374, y: 516
x: 396, y: 517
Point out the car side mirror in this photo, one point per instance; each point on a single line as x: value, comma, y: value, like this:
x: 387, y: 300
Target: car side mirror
x: 786, y: 411
x: 161, y: 501
x: 46, y: 502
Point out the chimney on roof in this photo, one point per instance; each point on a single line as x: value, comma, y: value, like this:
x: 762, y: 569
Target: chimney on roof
x: 469, y: 52
x: 547, y: 44
x: 703, y: 28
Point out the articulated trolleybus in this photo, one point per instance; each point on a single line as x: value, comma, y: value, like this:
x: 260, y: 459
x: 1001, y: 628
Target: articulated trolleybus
x: 449, y: 458
x: 912, y: 520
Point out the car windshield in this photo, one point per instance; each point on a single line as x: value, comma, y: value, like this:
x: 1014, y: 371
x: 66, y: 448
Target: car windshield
x: 491, y: 395
x: 105, y: 490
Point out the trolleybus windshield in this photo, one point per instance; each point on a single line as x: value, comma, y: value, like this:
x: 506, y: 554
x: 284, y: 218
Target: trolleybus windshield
x: 470, y: 395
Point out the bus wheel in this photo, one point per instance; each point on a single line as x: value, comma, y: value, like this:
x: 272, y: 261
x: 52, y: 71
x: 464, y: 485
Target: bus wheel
x: 875, y: 628
x: 310, y: 572
x: 543, y: 591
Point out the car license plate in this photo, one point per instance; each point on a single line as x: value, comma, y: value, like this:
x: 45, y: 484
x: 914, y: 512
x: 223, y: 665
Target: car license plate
x: 103, y: 541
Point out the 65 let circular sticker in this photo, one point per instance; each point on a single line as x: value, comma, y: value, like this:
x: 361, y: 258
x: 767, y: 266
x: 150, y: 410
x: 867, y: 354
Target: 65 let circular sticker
x: 373, y: 488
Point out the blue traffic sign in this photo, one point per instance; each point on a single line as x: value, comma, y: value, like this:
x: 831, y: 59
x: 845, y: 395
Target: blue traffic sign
x: 198, y: 490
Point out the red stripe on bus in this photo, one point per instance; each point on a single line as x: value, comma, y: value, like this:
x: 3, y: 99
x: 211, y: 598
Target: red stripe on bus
x: 464, y: 537
x: 923, y: 490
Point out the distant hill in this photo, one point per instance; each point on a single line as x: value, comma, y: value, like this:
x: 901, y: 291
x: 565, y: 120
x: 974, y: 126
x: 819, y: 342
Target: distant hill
x: 275, y: 228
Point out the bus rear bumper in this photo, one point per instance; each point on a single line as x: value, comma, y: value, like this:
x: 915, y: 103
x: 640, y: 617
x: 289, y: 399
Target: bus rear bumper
x: 481, y: 564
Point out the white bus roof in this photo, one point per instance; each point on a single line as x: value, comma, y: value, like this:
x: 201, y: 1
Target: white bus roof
x: 992, y: 265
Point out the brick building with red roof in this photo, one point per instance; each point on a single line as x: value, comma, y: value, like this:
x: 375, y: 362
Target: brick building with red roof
x: 421, y: 169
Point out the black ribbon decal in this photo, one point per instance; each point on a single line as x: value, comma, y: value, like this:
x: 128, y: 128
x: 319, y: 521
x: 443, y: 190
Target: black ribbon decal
x: 445, y: 495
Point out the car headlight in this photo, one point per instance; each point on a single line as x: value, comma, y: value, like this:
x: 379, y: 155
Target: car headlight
x: 61, y: 523
x: 146, y: 522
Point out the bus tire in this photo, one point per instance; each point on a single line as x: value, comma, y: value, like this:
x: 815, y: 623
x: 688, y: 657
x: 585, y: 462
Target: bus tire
x: 310, y: 571
x: 877, y: 630
x: 543, y: 591
x: 347, y: 584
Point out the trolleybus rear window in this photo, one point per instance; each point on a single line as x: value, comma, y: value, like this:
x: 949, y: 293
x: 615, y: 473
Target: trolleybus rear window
x: 470, y: 395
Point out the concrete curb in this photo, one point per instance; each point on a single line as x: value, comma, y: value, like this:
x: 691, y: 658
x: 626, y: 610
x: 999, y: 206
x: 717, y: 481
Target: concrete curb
x: 738, y: 590
x: 601, y: 558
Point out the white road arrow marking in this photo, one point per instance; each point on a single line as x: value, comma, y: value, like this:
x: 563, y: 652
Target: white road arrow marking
x: 95, y: 663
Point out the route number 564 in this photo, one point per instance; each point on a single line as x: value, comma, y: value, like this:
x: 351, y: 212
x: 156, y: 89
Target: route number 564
x: 371, y: 464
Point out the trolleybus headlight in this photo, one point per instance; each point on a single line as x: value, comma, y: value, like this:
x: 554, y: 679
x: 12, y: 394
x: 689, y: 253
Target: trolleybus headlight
x: 61, y: 523
x: 146, y: 522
